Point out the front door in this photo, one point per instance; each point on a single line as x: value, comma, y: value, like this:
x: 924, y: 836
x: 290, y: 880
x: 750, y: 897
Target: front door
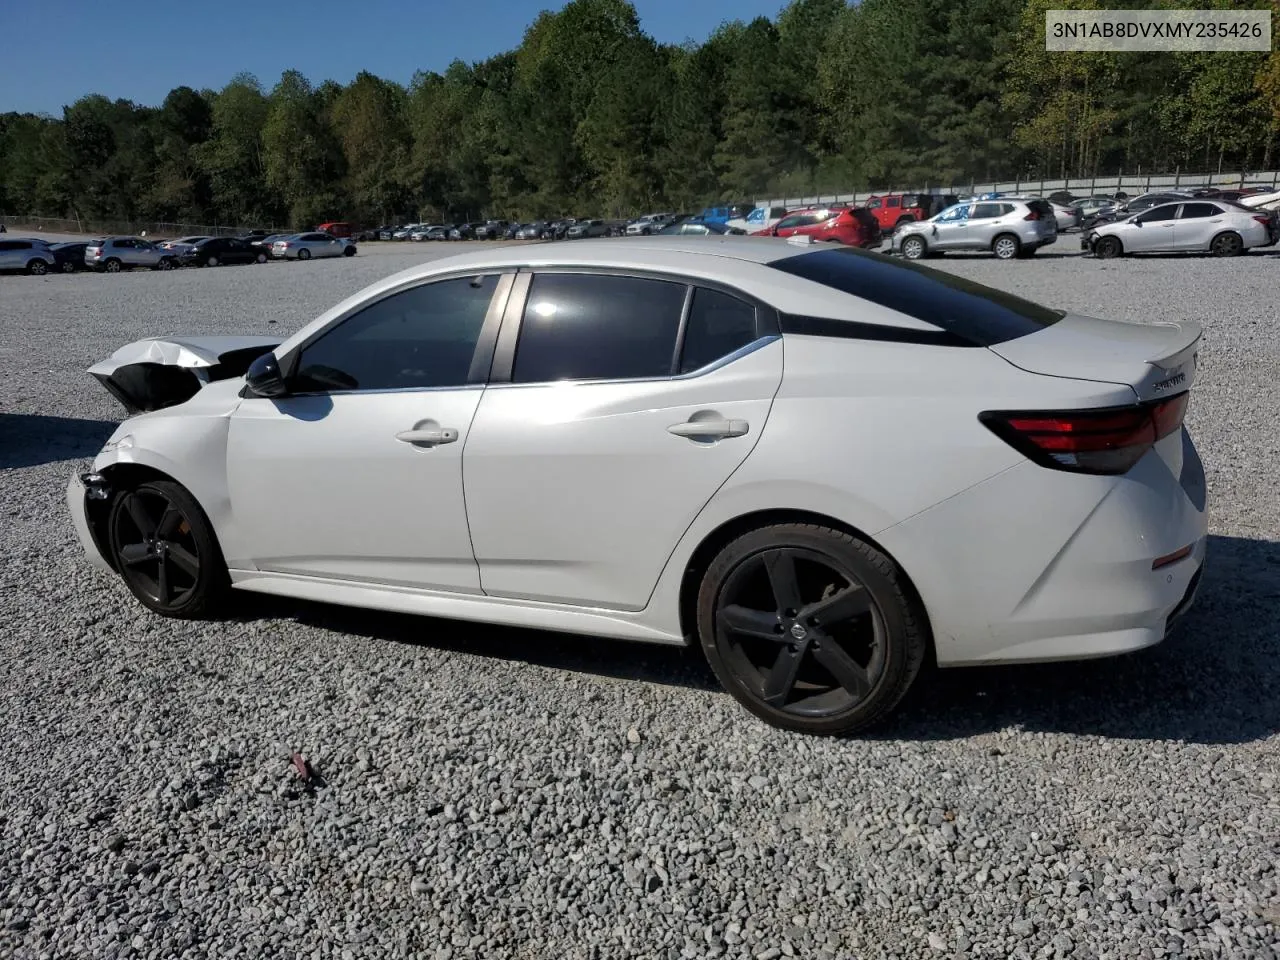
x: 1155, y: 234
x: 615, y: 429
x: 358, y: 474
x: 950, y: 229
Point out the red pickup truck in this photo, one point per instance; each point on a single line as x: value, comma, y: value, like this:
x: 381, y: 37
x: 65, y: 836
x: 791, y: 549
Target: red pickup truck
x: 891, y: 209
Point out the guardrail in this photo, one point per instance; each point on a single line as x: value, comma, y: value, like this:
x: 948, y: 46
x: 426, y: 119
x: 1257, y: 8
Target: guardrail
x: 131, y: 228
x: 1133, y: 184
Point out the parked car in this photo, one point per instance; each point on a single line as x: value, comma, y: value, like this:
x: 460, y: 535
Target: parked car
x: 693, y: 227
x: 1008, y: 228
x: 760, y: 218
x: 559, y: 229
x: 1148, y: 200
x: 181, y: 245
x: 491, y: 230
x: 532, y: 231
x: 336, y: 228
x: 304, y: 246
x: 1189, y: 226
x: 1264, y: 201
x: 1089, y: 206
x: 734, y: 211
x: 386, y: 232
x: 588, y: 228
x: 684, y: 513
x: 26, y: 254
x: 892, y: 210
x: 402, y: 233
x: 463, y: 231
x: 648, y: 224
x: 854, y: 226
x: 69, y: 256
x: 423, y: 232
x: 440, y: 232
x: 220, y: 251
x: 113, y: 254
x: 267, y: 242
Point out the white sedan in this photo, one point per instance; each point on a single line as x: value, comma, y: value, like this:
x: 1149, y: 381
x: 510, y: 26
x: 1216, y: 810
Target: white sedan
x: 820, y: 465
x: 304, y: 246
x: 1219, y: 227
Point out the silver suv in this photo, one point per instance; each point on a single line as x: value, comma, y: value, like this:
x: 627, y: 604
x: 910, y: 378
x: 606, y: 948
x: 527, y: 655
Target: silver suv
x: 114, y: 254
x: 33, y: 256
x: 1008, y: 228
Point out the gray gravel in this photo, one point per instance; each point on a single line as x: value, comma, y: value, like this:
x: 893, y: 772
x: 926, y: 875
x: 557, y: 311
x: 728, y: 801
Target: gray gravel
x: 501, y: 793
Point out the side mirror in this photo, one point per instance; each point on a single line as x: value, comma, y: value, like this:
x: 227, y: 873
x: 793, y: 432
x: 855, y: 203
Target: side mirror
x: 263, y: 378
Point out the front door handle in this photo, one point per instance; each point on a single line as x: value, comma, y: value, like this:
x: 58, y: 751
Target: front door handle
x: 709, y: 429
x: 428, y: 436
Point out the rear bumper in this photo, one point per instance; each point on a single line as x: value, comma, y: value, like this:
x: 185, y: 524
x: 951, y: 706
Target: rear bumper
x: 1038, y: 564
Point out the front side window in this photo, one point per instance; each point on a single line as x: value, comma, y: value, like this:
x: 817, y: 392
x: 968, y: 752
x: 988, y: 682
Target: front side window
x: 873, y: 204
x: 1157, y: 214
x: 590, y: 327
x: 718, y: 325
x: 422, y: 337
x: 958, y: 212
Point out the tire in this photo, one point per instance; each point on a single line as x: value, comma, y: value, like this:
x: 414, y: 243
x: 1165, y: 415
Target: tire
x: 261, y: 258
x: 1226, y: 245
x: 779, y: 658
x: 1006, y: 246
x: 112, y: 265
x: 68, y: 267
x: 914, y: 248
x: 1108, y: 247
x: 165, y: 550
x: 165, y: 264
x: 349, y: 251
x: 304, y: 254
x: 211, y: 261
x: 37, y: 267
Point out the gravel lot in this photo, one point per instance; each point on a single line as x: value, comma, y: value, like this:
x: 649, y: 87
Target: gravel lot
x: 501, y: 793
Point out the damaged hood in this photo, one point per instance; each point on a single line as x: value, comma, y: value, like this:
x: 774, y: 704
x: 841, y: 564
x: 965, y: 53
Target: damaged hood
x: 163, y: 372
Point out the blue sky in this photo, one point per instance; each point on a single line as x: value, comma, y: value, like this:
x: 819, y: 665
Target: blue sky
x: 52, y: 55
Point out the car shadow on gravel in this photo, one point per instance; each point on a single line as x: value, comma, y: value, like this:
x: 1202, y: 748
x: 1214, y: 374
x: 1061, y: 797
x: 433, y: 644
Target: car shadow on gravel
x: 620, y: 659
x: 1212, y: 681
x: 29, y: 440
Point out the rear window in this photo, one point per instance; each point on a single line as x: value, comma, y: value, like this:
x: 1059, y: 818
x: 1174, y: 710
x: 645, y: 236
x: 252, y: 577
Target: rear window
x: 976, y: 313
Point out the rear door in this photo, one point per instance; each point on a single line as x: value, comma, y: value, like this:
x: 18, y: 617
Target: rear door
x: 618, y: 405
x: 986, y: 219
x: 1197, y: 224
x: 796, y: 223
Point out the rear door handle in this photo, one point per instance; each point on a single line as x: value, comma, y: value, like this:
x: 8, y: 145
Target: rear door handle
x: 428, y: 436
x: 709, y: 429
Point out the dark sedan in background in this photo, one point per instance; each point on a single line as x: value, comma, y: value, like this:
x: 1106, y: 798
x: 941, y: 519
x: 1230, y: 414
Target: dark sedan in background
x: 217, y: 251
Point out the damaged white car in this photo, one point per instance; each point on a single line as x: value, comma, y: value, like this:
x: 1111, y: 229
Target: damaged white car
x: 606, y: 441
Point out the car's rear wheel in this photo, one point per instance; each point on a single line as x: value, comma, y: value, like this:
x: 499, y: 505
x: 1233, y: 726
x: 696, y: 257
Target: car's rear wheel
x: 810, y: 628
x: 304, y: 254
x: 165, y: 264
x: 165, y: 550
x: 112, y: 266
x: 1226, y: 245
x: 1107, y: 247
x: 68, y: 267
x: 37, y: 267
x: 350, y: 251
x: 1006, y: 246
x: 211, y: 262
x: 913, y: 248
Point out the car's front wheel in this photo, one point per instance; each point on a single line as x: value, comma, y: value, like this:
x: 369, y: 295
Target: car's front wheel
x: 37, y: 267
x: 165, y: 550
x: 1107, y: 247
x: 261, y: 258
x: 304, y: 254
x: 913, y: 248
x: 810, y: 628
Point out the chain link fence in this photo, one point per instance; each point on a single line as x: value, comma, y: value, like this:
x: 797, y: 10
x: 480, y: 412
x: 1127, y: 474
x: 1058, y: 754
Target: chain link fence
x: 130, y: 228
x: 1132, y: 184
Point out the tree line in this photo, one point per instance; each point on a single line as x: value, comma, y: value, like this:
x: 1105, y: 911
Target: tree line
x: 589, y: 115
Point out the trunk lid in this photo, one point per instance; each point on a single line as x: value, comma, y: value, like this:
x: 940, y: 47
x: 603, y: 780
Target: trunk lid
x: 163, y: 372
x: 1157, y: 360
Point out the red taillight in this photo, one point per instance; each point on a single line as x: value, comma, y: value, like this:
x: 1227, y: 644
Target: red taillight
x: 1033, y: 215
x: 1265, y: 221
x: 1105, y: 441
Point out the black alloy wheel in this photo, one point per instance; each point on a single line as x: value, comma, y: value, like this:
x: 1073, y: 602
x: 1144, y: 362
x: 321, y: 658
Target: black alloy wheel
x: 164, y: 549
x: 809, y: 628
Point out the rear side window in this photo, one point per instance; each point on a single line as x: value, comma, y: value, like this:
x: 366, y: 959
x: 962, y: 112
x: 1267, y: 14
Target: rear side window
x: 977, y: 315
x: 1042, y: 207
x: 1194, y: 211
x: 589, y: 327
x: 895, y: 201
x: 718, y: 325
x: 988, y: 211
x: 14, y: 245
